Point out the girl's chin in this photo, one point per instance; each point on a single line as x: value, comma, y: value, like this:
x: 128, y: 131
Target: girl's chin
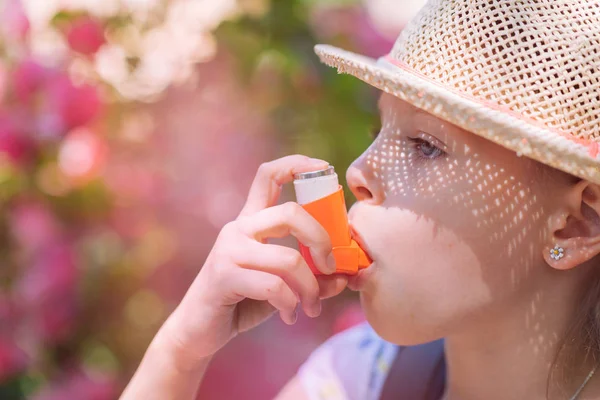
x: 359, y: 281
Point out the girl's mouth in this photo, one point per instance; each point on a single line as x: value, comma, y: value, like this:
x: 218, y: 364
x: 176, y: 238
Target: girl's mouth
x: 359, y: 281
x: 361, y: 243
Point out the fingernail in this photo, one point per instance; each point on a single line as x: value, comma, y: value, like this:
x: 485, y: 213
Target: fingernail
x: 295, y: 316
x: 331, y: 262
x: 318, y: 308
x: 317, y: 161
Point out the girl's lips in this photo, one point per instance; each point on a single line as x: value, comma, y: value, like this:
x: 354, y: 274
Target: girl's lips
x: 358, y: 239
x: 359, y: 281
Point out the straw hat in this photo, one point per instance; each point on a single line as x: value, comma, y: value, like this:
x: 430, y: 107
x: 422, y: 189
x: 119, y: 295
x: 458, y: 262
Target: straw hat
x: 524, y: 74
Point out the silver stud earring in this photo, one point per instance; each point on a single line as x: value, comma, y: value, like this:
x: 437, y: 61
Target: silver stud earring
x: 557, y: 253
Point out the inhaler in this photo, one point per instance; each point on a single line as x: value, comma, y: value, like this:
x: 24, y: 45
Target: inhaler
x: 320, y: 194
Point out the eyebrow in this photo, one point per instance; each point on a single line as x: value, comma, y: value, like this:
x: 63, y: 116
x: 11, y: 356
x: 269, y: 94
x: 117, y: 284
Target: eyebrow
x: 419, y: 113
x: 425, y: 117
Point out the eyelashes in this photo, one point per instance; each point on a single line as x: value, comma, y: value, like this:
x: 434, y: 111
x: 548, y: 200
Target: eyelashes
x: 423, y: 146
x: 425, y: 149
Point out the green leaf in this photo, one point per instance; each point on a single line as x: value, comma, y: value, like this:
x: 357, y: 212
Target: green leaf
x: 12, y: 390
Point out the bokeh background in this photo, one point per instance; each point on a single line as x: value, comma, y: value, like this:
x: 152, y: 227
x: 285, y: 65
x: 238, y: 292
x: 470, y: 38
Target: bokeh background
x: 130, y: 131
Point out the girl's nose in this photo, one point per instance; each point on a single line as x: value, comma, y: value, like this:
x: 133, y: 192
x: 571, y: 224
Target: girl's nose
x: 363, y: 184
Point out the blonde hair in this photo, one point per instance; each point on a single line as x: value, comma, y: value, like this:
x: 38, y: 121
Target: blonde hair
x: 580, y: 343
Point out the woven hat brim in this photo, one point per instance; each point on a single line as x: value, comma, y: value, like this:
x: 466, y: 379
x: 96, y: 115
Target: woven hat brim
x: 509, y: 131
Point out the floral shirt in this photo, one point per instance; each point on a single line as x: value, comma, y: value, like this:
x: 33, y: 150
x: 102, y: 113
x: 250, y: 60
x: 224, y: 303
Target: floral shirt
x: 350, y: 365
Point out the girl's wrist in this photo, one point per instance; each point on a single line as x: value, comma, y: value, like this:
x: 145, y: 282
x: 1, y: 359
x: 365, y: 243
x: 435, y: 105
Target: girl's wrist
x: 182, y: 359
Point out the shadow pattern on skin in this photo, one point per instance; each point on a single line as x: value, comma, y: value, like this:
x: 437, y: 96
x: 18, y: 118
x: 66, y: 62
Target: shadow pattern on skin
x: 458, y: 239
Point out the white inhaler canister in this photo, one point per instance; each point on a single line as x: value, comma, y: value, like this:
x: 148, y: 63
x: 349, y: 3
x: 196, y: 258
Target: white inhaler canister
x: 312, y: 186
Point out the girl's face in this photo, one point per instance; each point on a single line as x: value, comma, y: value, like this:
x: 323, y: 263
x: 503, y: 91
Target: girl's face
x: 456, y: 226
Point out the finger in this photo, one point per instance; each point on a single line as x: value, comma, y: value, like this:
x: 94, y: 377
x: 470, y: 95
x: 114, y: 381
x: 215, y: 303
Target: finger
x: 262, y: 286
x: 330, y: 286
x: 266, y: 187
x: 291, y: 219
x: 286, y: 263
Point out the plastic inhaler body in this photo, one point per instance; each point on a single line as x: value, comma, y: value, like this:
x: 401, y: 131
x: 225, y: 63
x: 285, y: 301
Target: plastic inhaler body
x: 322, y: 196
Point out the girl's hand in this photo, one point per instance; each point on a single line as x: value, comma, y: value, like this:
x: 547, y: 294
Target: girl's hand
x: 245, y: 279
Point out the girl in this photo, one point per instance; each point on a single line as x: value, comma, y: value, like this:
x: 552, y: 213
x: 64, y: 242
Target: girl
x: 472, y: 242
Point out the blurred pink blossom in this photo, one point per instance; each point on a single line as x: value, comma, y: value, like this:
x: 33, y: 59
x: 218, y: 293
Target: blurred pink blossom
x: 14, y: 142
x: 13, y: 20
x: 33, y: 226
x: 4, y: 80
x: 48, y: 292
x: 8, y: 312
x: 350, y: 24
x: 133, y: 182
x: 390, y: 16
x: 49, y: 125
x: 127, y: 222
x: 51, y: 103
x: 369, y: 40
x: 28, y: 76
x: 12, y: 358
x: 52, y: 274
x: 79, y: 385
x: 76, y: 105
x: 54, y: 320
x: 85, y: 35
x: 82, y: 154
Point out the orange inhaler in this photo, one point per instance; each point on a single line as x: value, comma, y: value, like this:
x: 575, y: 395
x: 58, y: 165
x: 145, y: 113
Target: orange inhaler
x: 322, y: 196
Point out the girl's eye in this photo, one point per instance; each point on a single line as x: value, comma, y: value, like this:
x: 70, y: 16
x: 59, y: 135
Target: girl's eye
x: 426, y: 149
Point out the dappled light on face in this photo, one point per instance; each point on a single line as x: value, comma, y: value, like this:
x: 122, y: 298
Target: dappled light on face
x: 481, y: 186
x: 539, y: 341
x: 487, y: 196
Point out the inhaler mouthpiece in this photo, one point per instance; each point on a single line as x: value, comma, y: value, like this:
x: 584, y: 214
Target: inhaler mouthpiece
x: 320, y: 194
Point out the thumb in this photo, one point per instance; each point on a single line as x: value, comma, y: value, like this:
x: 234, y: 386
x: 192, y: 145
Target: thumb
x: 331, y: 285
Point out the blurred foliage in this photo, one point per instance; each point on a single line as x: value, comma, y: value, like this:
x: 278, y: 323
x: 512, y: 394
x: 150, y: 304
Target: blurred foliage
x: 79, y: 241
x: 316, y: 111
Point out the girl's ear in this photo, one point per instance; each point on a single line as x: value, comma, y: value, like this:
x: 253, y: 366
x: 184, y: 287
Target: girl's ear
x: 575, y: 227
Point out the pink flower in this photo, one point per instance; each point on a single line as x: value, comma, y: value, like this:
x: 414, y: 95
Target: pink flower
x: 57, y: 103
x: 48, y: 293
x: 85, y: 35
x: 12, y: 359
x: 4, y: 80
x: 13, y: 20
x: 82, y: 155
x: 368, y: 40
x: 14, y: 142
x: 52, y: 274
x: 132, y: 182
x: 54, y: 320
x: 391, y: 16
x: 9, y: 312
x: 76, y: 105
x: 344, y: 23
x: 28, y: 77
x: 33, y: 226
